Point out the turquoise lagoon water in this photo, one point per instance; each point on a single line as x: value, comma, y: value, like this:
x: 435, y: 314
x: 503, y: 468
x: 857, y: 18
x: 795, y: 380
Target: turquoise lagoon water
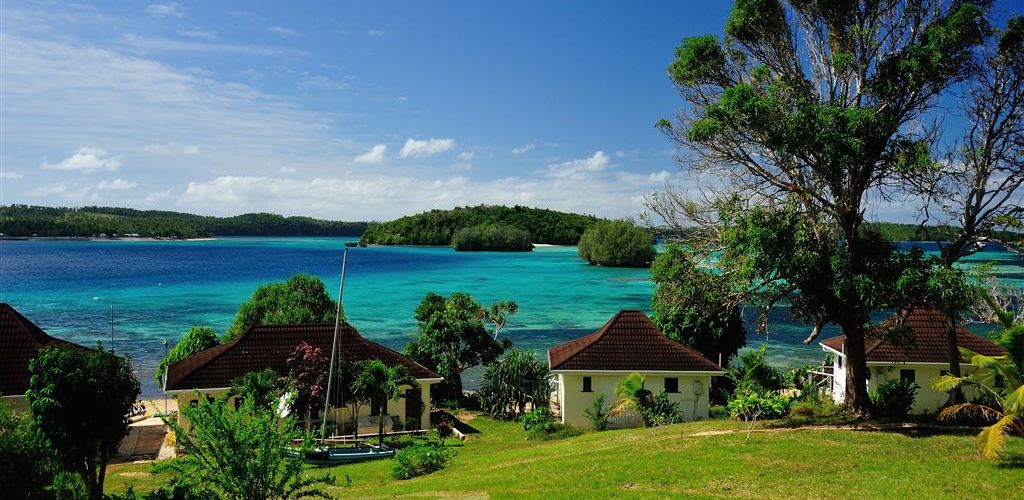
x: 159, y: 289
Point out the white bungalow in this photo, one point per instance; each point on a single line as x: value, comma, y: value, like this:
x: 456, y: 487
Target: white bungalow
x: 628, y: 343
x: 926, y: 359
x: 212, y: 371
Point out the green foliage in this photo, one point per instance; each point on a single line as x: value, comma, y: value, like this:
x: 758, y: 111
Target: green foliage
x: 243, y: 453
x: 491, y: 237
x: 692, y: 305
x: 262, y: 388
x: 80, y: 400
x: 660, y: 410
x: 598, y: 413
x: 436, y: 227
x: 197, y: 338
x: 802, y: 409
x: 450, y: 338
x: 616, y: 244
x: 382, y: 383
x: 28, y: 463
x: 301, y: 299
x: 421, y: 459
x: 894, y: 398
x: 753, y: 373
x: 540, y: 418
x: 514, y: 380
x: 26, y: 220
x: 750, y: 404
x: 555, y: 432
x: 699, y: 59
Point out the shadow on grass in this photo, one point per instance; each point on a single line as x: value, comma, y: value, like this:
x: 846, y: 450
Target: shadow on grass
x: 1011, y: 461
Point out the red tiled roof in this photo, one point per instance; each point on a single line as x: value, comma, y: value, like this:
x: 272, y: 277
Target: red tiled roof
x: 928, y: 328
x: 20, y: 340
x: 270, y: 346
x: 628, y: 341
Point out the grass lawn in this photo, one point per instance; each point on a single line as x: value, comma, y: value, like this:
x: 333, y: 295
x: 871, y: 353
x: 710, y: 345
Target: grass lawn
x: 671, y: 461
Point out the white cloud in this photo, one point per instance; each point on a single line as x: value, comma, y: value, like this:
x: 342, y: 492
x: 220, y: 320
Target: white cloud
x: 144, y: 44
x: 166, y: 10
x: 374, y: 155
x: 422, y: 148
x: 197, y: 33
x: 307, y: 80
x: 85, y: 160
x: 286, y: 170
x: 596, y: 163
x: 171, y: 148
x: 67, y: 191
x: 10, y: 174
x: 376, y: 33
x: 525, y: 148
x: 282, y: 31
x: 116, y: 184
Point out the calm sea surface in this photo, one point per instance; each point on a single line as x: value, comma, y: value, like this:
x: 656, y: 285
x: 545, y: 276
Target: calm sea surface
x: 159, y: 289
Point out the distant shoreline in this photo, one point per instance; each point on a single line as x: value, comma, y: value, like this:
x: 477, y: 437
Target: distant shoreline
x: 95, y: 238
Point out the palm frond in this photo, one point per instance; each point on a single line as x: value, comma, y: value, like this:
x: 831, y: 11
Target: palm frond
x: 992, y: 440
x: 947, y: 383
x: 970, y: 411
x: 1013, y: 404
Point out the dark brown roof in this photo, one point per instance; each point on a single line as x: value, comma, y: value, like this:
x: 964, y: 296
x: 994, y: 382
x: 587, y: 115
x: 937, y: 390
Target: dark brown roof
x: 262, y: 347
x: 928, y: 328
x: 20, y: 340
x: 628, y: 341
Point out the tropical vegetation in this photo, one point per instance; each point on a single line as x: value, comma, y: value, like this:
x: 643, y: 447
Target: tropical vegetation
x: 303, y: 298
x: 492, y: 237
x: 382, y: 383
x: 616, y: 244
x: 512, y: 382
x: 196, y: 339
x: 28, y: 220
x: 450, y: 338
x: 79, y: 400
x: 437, y: 227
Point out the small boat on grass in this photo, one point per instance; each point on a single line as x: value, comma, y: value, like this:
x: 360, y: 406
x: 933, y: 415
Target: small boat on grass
x: 337, y: 455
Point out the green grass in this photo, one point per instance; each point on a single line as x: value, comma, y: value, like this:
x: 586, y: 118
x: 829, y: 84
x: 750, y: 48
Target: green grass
x: 670, y: 461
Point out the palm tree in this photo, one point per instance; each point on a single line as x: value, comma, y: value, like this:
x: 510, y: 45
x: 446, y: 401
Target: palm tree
x: 632, y: 395
x: 383, y: 383
x: 1001, y: 378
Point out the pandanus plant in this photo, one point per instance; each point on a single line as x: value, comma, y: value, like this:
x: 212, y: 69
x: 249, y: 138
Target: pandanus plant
x: 999, y: 377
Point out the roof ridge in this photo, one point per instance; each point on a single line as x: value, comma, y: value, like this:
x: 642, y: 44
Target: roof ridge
x: 595, y: 336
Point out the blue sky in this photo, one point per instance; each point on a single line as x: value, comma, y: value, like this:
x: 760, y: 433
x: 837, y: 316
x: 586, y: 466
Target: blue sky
x: 340, y: 110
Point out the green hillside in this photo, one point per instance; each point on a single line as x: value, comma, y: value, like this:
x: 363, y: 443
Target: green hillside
x: 26, y: 220
x: 436, y: 227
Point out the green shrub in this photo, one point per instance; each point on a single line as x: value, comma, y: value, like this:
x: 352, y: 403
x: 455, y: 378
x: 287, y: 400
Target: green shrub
x: 718, y: 411
x: 660, y: 410
x: 598, y: 413
x: 894, y: 398
x: 399, y: 442
x: 556, y: 431
x: 492, y: 237
x: 750, y: 404
x: 420, y: 459
x: 27, y: 461
x: 802, y: 409
x: 616, y: 244
x: 540, y: 418
x: 444, y: 430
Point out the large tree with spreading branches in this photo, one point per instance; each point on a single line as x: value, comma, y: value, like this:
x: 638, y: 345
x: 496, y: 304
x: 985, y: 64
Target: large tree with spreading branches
x: 820, y: 106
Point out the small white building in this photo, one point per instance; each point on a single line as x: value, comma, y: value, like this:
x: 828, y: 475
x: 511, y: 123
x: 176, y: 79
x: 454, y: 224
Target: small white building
x: 211, y: 372
x: 922, y: 360
x: 628, y: 343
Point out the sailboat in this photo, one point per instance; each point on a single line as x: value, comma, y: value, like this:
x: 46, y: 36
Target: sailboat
x: 324, y: 454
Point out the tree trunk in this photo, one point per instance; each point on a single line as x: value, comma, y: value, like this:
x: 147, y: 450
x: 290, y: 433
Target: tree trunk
x: 104, y: 458
x: 956, y: 396
x: 89, y: 476
x: 380, y: 421
x: 856, y: 395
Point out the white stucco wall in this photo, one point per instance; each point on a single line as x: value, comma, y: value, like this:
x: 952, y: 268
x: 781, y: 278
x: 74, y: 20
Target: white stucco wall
x: 928, y: 400
x: 572, y: 401
x: 17, y: 403
x: 340, y: 415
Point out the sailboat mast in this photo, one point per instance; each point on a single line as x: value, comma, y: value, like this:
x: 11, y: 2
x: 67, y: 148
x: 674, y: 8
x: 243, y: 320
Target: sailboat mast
x: 334, y: 345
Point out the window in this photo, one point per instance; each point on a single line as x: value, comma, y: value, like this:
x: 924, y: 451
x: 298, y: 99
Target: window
x: 839, y: 362
x: 671, y: 384
x: 586, y: 385
x: 908, y: 375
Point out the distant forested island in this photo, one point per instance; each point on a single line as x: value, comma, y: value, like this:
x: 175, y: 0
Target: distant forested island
x: 85, y: 222
x: 438, y: 227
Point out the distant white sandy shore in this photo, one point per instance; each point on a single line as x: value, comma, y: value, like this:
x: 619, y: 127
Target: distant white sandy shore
x: 550, y: 245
